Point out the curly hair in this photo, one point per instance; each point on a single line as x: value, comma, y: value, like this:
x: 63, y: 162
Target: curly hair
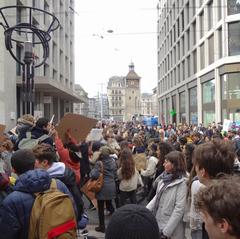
x: 127, y: 164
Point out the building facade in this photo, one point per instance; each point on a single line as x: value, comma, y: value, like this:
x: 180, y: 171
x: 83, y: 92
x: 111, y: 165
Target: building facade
x: 124, y: 96
x: 83, y: 107
x: 198, y: 61
x: 147, y: 104
x: 54, y: 81
x: 93, y: 110
x: 116, y: 97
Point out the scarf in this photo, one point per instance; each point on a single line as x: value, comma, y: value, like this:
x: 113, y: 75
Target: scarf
x: 167, y: 178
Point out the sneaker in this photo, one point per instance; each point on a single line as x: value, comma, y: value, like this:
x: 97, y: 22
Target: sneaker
x: 100, y: 229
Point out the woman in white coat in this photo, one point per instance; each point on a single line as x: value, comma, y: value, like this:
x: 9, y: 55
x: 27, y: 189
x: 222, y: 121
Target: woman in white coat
x: 169, y: 203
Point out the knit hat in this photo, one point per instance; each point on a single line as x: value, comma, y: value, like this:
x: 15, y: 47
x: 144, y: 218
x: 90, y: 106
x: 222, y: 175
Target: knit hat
x: 132, y: 221
x: 27, y: 119
x: 105, y: 151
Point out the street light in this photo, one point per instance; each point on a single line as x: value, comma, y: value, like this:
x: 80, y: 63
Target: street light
x: 18, y: 34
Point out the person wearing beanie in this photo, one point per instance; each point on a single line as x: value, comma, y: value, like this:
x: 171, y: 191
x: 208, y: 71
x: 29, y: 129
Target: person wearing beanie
x: 132, y: 222
x: 108, y: 190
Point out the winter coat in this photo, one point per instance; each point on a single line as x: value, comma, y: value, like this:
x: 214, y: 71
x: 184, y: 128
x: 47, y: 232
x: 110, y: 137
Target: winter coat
x: 84, y: 161
x: 66, y: 159
x: 16, y: 209
x: 171, y: 208
x: 59, y: 171
x: 108, y: 191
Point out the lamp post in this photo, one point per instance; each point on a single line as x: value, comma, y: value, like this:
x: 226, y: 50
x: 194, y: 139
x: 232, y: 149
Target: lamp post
x: 17, y: 34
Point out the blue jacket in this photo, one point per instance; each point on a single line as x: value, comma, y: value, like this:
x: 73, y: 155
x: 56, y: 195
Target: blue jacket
x: 15, y: 210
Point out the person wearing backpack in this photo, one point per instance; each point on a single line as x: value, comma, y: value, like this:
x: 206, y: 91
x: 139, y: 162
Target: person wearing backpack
x: 46, y: 159
x: 39, y: 132
x: 16, y: 209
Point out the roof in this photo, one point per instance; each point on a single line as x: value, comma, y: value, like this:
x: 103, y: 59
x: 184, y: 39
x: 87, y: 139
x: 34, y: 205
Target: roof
x: 132, y: 75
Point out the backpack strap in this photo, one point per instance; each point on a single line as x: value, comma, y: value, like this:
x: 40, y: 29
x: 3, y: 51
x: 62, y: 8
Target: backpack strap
x: 43, y: 137
x: 101, y: 166
x: 28, y: 134
x: 53, y: 184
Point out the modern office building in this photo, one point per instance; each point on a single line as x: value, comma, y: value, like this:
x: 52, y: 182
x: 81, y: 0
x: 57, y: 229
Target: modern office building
x: 54, y: 81
x: 198, y: 60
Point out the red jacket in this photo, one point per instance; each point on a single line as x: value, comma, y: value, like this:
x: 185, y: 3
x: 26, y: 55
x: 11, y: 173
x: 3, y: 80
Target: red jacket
x: 65, y: 158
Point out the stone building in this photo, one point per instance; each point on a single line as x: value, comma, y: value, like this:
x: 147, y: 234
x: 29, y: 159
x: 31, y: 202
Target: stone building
x: 124, y: 96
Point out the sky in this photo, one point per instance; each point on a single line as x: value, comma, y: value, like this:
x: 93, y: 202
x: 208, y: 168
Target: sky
x: 101, y: 54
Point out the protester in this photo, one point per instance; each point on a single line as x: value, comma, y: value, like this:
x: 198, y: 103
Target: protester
x: 24, y: 124
x: 132, y: 222
x: 46, y: 159
x: 219, y: 205
x: 168, y: 205
x: 42, y: 127
x: 128, y: 176
x: 68, y: 154
x: 16, y: 208
x: 211, y: 160
x: 108, y: 191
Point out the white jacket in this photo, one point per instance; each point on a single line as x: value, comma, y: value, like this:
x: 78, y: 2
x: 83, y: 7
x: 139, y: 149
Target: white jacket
x: 151, y: 167
x: 130, y: 184
x: 171, y: 208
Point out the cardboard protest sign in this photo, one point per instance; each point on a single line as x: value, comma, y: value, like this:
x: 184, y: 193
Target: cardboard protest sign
x: 95, y: 135
x: 78, y: 125
x: 2, y: 129
x: 226, y: 125
x: 140, y: 161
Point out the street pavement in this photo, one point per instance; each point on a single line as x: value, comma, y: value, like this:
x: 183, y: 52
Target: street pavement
x: 93, y: 219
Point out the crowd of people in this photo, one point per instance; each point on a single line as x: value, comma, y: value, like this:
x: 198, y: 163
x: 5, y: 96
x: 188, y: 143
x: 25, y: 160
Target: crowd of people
x: 189, y: 175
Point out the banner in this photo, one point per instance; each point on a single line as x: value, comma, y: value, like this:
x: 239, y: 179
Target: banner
x: 78, y: 125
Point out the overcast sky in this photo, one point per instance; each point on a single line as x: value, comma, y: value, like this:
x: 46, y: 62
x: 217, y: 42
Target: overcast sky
x: 100, y: 55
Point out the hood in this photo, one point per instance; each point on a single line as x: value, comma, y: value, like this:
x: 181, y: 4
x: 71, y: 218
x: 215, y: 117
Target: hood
x: 33, y: 181
x: 23, y: 128
x: 57, y: 168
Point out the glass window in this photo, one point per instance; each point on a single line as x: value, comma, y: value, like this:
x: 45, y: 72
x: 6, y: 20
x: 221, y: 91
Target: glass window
x: 210, y: 15
x: 234, y: 38
x: 230, y: 96
x: 233, y: 7
x: 209, y: 92
x: 220, y: 43
x: 208, y: 98
x: 174, y: 118
x: 195, y: 61
x: 201, y: 20
x: 182, y: 110
x: 202, y: 56
x: 193, y: 105
x: 188, y: 66
x: 219, y: 4
x: 211, y: 49
x: 194, y: 32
